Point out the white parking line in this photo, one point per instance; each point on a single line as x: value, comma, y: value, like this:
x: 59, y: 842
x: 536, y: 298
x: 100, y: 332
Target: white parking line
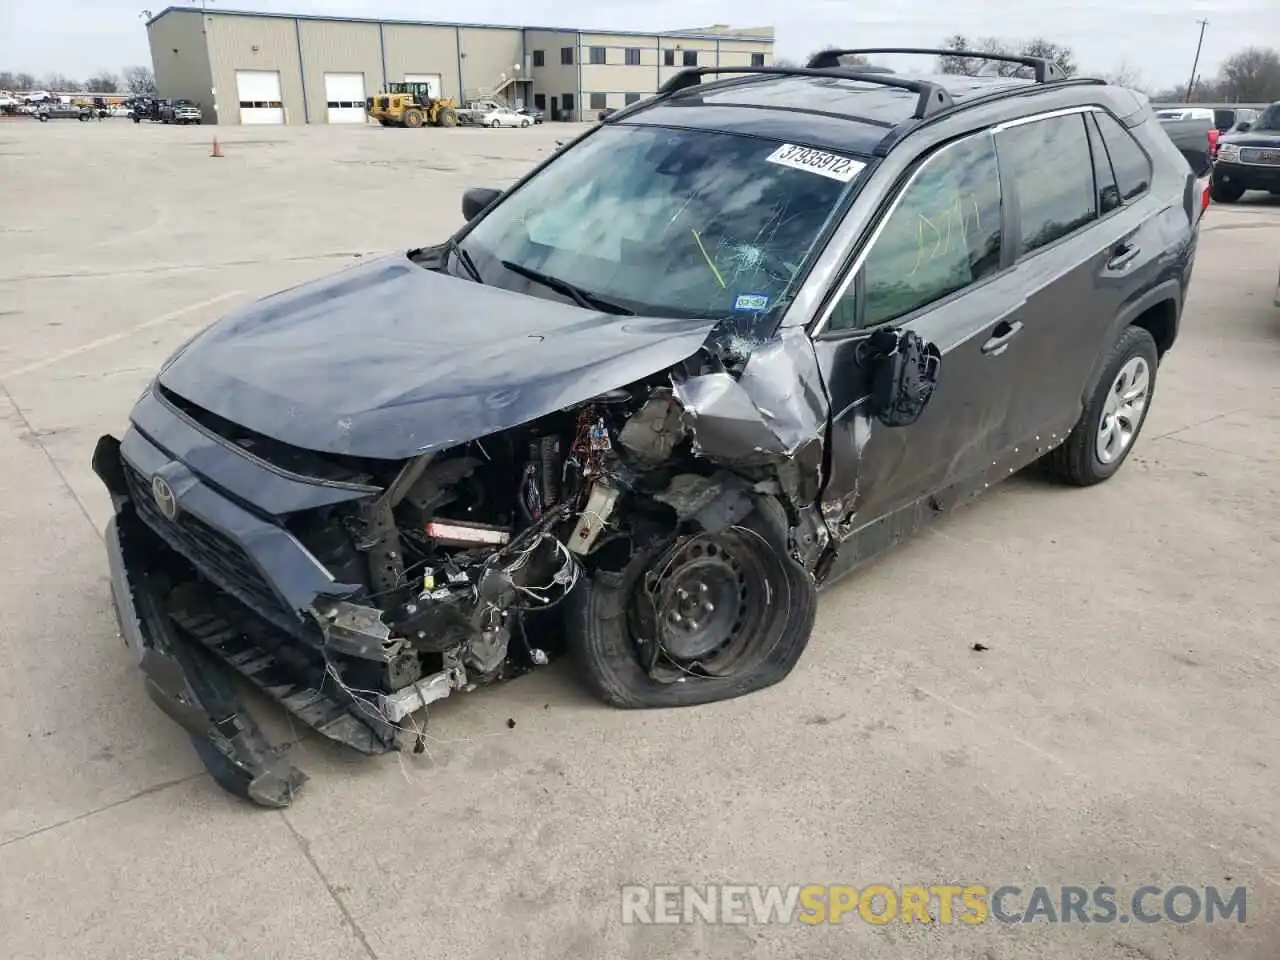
x: 103, y: 341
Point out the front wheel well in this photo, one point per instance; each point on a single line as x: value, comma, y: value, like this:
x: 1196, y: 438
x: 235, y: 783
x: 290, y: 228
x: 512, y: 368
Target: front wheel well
x: 1161, y: 321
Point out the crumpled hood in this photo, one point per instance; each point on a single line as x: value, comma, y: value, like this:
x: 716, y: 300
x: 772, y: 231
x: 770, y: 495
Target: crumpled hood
x: 388, y: 359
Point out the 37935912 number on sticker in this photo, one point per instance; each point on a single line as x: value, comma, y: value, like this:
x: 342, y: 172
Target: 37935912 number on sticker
x: 824, y: 164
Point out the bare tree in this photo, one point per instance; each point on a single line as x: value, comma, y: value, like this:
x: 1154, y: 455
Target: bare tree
x: 104, y: 81
x: 1123, y: 75
x: 24, y: 81
x: 784, y: 62
x: 1252, y: 75
x: 7, y: 80
x: 57, y: 82
x: 972, y: 66
x: 139, y: 81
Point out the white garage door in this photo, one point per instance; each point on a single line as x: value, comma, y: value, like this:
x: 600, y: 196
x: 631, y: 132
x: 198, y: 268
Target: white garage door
x: 259, y: 94
x: 344, y: 94
x: 432, y: 80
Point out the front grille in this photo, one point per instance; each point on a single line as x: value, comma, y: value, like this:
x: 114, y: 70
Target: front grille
x: 1262, y: 155
x: 215, y: 555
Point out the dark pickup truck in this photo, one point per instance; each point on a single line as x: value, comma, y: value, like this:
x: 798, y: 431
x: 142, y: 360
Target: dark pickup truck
x: 1249, y: 158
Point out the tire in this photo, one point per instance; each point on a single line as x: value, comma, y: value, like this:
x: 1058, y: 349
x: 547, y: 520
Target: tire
x: 137, y: 119
x: 1078, y: 460
x: 448, y: 118
x: 413, y: 118
x: 526, y: 123
x: 600, y: 620
x: 495, y: 124
x: 1225, y: 192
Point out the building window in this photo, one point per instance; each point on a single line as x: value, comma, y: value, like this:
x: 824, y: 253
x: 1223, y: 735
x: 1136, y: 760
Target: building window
x: 566, y: 54
x: 633, y: 57
x: 599, y: 101
x: 596, y: 55
x: 691, y: 58
x: 540, y: 101
x: 668, y: 58
x: 757, y: 59
x: 566, y: 102
x: 632, y: 98
x: 539, y: 58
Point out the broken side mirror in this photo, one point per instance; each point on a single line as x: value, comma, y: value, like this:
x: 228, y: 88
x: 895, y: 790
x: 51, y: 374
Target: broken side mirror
x: 476, y: 199
x: 902, y: 369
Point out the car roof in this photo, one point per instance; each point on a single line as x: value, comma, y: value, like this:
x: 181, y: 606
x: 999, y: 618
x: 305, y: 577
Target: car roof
x: 850, y: 112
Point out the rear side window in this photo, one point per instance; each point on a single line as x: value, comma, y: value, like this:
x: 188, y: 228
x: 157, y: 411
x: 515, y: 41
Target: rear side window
x: 1132, y: 167
x: 943, y: 235
x: 1050, y: 162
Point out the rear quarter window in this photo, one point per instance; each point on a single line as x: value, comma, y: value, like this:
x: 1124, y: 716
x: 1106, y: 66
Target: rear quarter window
x: 1130, y: 162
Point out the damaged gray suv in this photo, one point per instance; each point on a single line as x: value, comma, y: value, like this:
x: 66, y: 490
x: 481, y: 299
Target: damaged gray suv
x: 730, y: 343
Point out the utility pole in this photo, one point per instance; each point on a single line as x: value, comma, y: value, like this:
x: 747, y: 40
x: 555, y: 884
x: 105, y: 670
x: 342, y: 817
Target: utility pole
x: 1191, y: 84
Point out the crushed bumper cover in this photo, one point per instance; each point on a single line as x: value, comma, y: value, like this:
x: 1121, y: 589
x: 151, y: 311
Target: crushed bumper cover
x: 191, y: 687
x: 189, y: 642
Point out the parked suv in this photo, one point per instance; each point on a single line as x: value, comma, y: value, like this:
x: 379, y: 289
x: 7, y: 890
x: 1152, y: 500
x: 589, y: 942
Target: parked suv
x: 1249, y: 159
x: 690, y: 368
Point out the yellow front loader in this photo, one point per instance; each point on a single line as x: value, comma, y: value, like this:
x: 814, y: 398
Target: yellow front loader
x: 411, y: 105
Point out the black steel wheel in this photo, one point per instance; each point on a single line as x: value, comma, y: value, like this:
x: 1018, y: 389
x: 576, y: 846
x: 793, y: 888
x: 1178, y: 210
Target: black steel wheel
x: 708, y: 617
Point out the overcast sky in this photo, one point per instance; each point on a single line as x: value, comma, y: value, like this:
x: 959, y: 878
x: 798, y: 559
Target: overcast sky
x: 1157, y: 37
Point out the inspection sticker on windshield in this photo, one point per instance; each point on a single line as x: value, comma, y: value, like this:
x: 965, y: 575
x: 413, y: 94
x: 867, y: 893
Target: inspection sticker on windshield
x: 820, y: 162
x: 751, y: 301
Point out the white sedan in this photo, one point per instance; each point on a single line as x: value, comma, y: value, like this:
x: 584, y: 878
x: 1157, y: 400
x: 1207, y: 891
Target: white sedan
x: 505, y: 118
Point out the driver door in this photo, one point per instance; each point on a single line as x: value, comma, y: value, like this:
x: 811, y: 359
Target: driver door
x: 935, y: 266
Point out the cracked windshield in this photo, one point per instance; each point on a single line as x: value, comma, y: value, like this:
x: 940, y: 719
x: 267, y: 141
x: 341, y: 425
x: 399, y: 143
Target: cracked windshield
x: 670, y: 222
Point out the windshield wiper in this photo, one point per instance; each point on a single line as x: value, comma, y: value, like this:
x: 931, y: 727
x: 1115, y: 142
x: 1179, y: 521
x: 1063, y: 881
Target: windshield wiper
x: 464, y: 258
x: 583, y: 298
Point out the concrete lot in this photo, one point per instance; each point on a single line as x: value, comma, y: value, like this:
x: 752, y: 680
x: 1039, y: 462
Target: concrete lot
x: 1122, y: 727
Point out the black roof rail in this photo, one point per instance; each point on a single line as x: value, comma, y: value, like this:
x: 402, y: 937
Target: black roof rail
x: 930, y: 96
x: 1046, y: 70
x: 900, y: 132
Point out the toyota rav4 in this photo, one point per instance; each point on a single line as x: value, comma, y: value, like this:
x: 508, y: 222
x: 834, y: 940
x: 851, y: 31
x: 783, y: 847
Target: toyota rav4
x: 730, y: 343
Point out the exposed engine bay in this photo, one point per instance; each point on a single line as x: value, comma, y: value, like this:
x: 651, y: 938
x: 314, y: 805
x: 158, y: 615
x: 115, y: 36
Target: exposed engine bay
x: 467, y: 557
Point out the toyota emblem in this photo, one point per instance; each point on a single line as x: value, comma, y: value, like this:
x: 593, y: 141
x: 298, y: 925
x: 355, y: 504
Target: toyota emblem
x: 162, y: 493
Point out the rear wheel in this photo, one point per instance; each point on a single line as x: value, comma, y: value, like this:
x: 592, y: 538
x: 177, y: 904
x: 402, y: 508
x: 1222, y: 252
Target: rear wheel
x: 709, y: 617
x: 1113, y: 417
x: 495, y: 124
x: 448, y: 118
x: 413, y: 118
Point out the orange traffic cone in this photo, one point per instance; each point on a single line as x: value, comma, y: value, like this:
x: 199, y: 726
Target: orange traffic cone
x: 217, y: 150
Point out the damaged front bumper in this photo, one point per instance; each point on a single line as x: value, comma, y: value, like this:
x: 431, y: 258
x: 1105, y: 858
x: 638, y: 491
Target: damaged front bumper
x: 188, y: 634
x: 188, y: 686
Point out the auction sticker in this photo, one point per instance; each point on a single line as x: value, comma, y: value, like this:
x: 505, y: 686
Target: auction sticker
x: 820, y: 162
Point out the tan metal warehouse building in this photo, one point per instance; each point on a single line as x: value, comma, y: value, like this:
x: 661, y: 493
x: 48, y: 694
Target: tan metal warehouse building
x: 245, y: 67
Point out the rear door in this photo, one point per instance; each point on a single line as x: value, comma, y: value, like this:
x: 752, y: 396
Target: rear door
x: 934, y: 265
x: 1080, y: 250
